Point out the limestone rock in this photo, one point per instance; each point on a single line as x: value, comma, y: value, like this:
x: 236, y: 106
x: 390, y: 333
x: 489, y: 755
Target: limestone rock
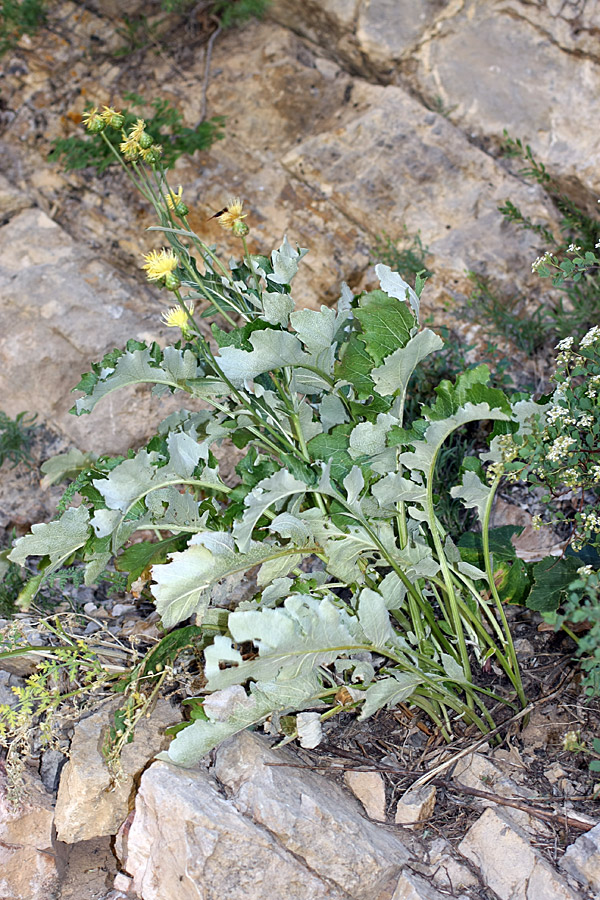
x: 480, y: 772
x: 448, y: 872
x: 582, y: 859
x: 415, y: 806
x: 88, y: 805
x: 527, y: 67
x: 369, y: 788
x: 414, y: 887
x: 30, y: 865
x: 62, y: 310
x: 509, y: 865
x: 187, y: 841
x: 317, y: 821
x: 391, y: 162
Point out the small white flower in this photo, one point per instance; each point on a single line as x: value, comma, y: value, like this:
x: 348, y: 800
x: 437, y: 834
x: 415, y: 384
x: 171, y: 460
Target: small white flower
x: 573, y: 248
x: 584, y: 570
x: 565, y: 344
x: 591, y: 337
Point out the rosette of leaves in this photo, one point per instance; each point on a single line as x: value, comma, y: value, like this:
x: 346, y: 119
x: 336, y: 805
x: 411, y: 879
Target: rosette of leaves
x: 359, y: 586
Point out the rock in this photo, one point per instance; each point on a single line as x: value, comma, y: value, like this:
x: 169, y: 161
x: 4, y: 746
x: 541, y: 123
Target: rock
x: 509, y: 865
x: 30, y: 862
x: 415, y: 807
x: 369, y: 788
x: 90, y: 869
x: 522, y: 66
x: 450, y: 189
x: 7, y: 682
x: 88, y: 804
x: 311, y: 817
x: 448, y: 872
x: 186, y: 834
x: 50, y: 769
x: 519, y: 65
x: 582, y: 859
x: 414, y: 887
x: 62, y: 310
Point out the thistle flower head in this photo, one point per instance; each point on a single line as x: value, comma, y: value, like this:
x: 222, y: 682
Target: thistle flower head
x: 174, y: 197
x: 176, y: 317
x: 93, y: 121
x: 112, y: 117
x: 130, y: 149
x: 159, y: 264
x: 137, y: 130
x: 232, y: 217
x: 151, y: 154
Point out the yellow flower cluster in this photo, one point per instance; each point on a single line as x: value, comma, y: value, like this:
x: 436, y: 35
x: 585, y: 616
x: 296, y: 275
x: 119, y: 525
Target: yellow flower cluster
x: 139, y: 145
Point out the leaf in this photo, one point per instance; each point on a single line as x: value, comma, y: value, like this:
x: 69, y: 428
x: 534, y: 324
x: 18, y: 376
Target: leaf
x: 199, y: 738
x: 386, y: 324
x: 473, y: 493
x: 552, y: 578
x: 292, y: 642
x: 271, y: 491
x: 374, y: 618
x: 310, y: 729
x: 272, y: 350
x: 65, y: 465
x: 333, y: 447
x: 393, y: 376
x: 394, y: 286
x: 138, y: 557
x: 57, y: 540
x: 171, y: 368
x: 369, y: 438
x: 285, y: 262
x: 315, y: 329
x: 389, y: 692
x: 183, y: 586
x: 277, y: 307
x: 355, y: 366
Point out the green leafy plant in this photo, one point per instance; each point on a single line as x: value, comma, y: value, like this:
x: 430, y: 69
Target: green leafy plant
x: 582, y: 606
x: 359, y: 584
x: 167, y: 126
x: 576, y: 308
x: 504, y: 316
x: 406, y: 255
x: 15, y: 438
x: 19, y: 17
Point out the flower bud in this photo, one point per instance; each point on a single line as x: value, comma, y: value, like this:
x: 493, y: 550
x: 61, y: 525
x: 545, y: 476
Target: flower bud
x: 181, y: 209
x: 145, y: 140
x: 172, y: 282
x: 116, y: 120
x: 239, y: 228
x: 95, y: 125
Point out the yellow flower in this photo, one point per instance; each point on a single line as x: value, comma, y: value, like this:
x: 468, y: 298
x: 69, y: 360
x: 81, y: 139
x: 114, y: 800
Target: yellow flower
x: 233, y: 214
x: 93, y: 121
x: 159, y: 263
x: 151, y: 154
x: 174, y: 196
x: 130, y: 149
x: 177, y: 317
x: 90, y: 114
x: 137, y: 130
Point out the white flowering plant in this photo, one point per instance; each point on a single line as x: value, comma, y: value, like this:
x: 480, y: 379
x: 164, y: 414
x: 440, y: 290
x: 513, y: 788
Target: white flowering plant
x: 560, y: 450
x: 363, y: 600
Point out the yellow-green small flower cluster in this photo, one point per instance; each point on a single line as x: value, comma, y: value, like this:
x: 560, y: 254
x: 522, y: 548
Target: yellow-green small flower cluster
x: 138, y: 144
x: 96, y: 121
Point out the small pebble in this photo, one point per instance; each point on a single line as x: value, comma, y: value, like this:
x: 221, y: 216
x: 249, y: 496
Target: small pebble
x: 92, y: 627
x: 120, y: 608
x: 90, y: 608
